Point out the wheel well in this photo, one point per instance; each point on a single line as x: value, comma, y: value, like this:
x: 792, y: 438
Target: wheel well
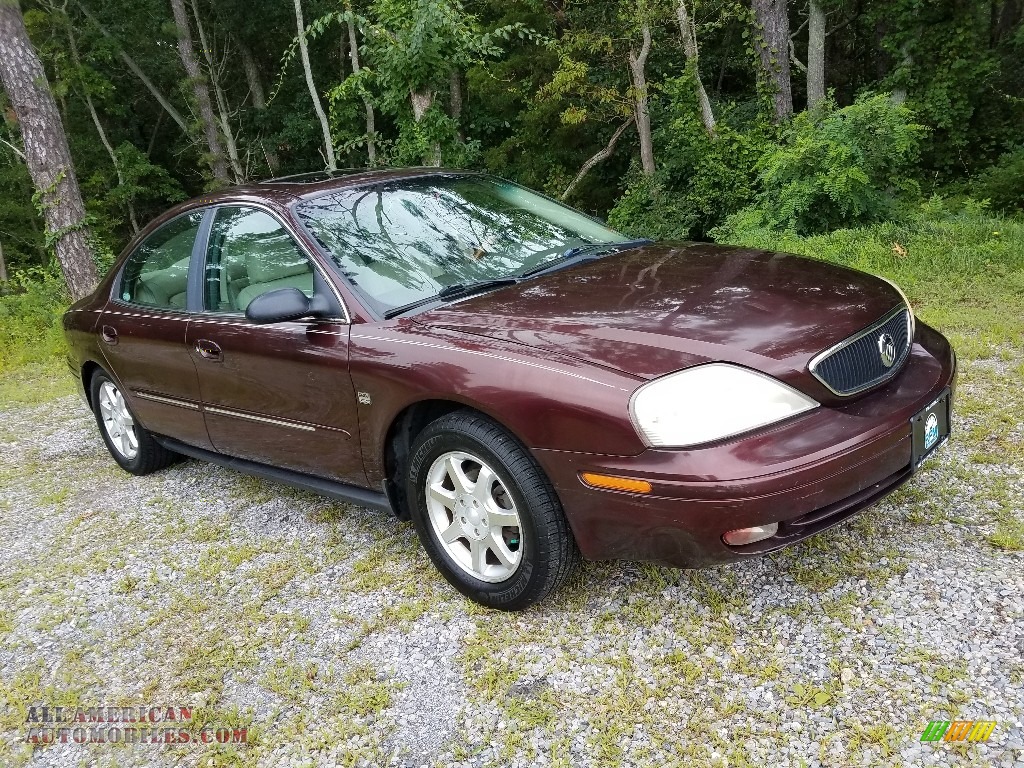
x: 401, y: 434
x: 88, y: 370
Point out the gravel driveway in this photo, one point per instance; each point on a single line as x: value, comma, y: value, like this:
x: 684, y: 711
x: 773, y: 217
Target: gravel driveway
x: 323, y: 629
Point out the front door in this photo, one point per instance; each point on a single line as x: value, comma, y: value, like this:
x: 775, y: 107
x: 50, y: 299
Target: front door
x: 143, y: 333
x: 279, y: 393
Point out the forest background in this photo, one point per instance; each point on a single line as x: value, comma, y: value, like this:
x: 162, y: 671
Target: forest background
x: 884, y: 135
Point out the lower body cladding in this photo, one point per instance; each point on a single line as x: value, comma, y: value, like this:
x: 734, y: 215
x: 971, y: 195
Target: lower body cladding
x: 803, y: 476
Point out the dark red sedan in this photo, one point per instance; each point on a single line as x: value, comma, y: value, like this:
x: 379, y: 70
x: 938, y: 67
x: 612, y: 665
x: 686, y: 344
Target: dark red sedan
x: 523, y: 382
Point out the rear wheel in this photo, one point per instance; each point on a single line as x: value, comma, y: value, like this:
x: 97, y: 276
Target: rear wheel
x: 131, y: 445
x: 486, y: 513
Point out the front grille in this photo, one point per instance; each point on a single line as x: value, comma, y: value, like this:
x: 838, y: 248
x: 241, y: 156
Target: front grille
x: 856, y: 364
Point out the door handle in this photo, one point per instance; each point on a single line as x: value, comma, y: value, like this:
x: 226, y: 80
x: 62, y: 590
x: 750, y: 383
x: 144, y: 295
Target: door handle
x: 109, y: 334
x: 209, y: 350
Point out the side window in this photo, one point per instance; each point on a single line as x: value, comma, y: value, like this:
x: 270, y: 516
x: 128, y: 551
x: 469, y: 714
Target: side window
x: 250, y: 253
x: 156, y: 274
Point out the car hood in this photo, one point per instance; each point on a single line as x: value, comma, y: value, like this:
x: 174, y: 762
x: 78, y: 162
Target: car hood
x: 659, y: 308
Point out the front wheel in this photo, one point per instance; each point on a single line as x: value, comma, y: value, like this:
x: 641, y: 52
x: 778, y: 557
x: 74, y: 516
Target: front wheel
x: 486, y: 513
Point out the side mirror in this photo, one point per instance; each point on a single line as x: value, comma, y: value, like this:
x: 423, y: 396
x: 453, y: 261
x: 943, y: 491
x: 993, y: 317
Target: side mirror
x: 279, y: 306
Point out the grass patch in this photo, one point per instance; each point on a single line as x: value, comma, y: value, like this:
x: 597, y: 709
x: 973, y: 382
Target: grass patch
x: 1009, y: 533
x: 36, y: 382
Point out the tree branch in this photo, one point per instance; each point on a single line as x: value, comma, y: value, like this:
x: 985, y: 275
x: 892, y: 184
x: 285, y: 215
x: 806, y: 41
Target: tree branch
x: 792, y: 57
x: 840, y: 25
x: 137, y: 70
x: 13, y: 149
x: 599, y: 156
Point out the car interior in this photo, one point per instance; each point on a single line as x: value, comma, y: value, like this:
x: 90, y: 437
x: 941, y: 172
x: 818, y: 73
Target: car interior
x: 244, y: 262
x: 165, y: 286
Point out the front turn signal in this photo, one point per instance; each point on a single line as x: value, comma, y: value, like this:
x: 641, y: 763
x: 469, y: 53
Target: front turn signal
x: 613, y: 483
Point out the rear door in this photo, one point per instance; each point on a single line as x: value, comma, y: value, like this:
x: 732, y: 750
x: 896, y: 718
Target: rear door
x: 143, y: 331
x: 280, y: 393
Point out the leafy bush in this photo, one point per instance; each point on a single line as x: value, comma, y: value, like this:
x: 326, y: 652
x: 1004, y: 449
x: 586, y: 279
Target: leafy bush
x: 1003, y: 183
x: 31, y: 306
x: 648, y: 209
x: 839, y: 167
x: 700, y: 179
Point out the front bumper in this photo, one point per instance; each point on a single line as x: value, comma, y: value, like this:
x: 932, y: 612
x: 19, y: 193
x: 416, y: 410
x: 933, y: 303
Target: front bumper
x: 807, y: 474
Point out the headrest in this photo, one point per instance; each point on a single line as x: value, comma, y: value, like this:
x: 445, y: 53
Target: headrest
x: 270, y: 265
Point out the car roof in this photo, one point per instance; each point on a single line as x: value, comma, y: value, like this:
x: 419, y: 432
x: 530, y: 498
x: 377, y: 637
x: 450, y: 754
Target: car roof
x: 286, y: 189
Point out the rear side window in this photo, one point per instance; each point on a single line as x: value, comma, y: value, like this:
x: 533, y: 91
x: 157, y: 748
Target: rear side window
x: 251, y: 253
x: 156, y: 274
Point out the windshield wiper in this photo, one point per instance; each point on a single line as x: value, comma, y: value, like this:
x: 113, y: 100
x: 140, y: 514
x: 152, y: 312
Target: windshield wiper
x: 455, y: 291
x: 591, y: 250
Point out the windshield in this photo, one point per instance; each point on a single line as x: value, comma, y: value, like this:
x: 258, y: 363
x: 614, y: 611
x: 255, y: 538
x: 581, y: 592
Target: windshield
x: 403, y: 242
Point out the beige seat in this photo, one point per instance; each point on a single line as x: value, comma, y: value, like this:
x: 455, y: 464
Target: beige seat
x: 164, y: 287
x: 267, y: 273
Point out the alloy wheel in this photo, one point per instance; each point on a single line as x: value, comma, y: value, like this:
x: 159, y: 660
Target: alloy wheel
x: 117, y: 421
x: 474, y: 516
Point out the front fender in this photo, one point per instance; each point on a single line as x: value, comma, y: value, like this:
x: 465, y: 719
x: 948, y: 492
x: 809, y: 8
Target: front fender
x: 547, y: 401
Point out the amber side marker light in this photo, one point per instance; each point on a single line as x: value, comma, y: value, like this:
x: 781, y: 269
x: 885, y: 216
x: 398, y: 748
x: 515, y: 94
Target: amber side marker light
x: 612, y: 483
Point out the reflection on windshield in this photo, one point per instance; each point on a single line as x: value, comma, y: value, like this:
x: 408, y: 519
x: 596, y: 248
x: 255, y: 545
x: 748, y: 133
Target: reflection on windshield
x: 402, y: 242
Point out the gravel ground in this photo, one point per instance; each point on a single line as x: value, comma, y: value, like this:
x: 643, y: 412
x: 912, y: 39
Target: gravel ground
x: 323, y: 629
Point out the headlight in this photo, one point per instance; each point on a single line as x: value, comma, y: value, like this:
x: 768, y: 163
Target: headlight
x: 711, y: 402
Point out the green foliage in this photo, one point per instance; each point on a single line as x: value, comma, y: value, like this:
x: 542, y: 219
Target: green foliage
x: 1002, y: 184
x: 648, y: 209
x: 701, y: 179
x: 417, y: 43
x: 839, y: 167
x: 962, y: 76
x: 544, y: 86
x: 945, y: 253
x: 31, y: 306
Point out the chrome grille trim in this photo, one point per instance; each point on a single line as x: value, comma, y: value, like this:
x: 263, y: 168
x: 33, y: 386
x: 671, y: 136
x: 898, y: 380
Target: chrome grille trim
x: 901, y: 356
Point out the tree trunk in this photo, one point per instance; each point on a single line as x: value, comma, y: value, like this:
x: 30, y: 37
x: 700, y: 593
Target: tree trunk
x: 342, y: 54
x: 455, y: 101
x: 1010, y: 16
x: 421, y: 102
x: 641, y: 101
x: 600, y: 156
x: 899, y: 94
x: 688, y: 30
x: 815, y: 55
x: 332, y: 164
x: 3, y: 264
x: 252, y: 77
x: 46, y: 151
x: 137, y: 71
x: 223, y: 114
x: 201, y: 92
x: 153, y: 136
x: 259, y: 98
x: 371, y: 131
x: 771, y: 39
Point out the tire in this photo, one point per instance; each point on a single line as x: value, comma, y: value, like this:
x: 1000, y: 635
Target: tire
x: 491, y: 523
x: 131, y: 445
